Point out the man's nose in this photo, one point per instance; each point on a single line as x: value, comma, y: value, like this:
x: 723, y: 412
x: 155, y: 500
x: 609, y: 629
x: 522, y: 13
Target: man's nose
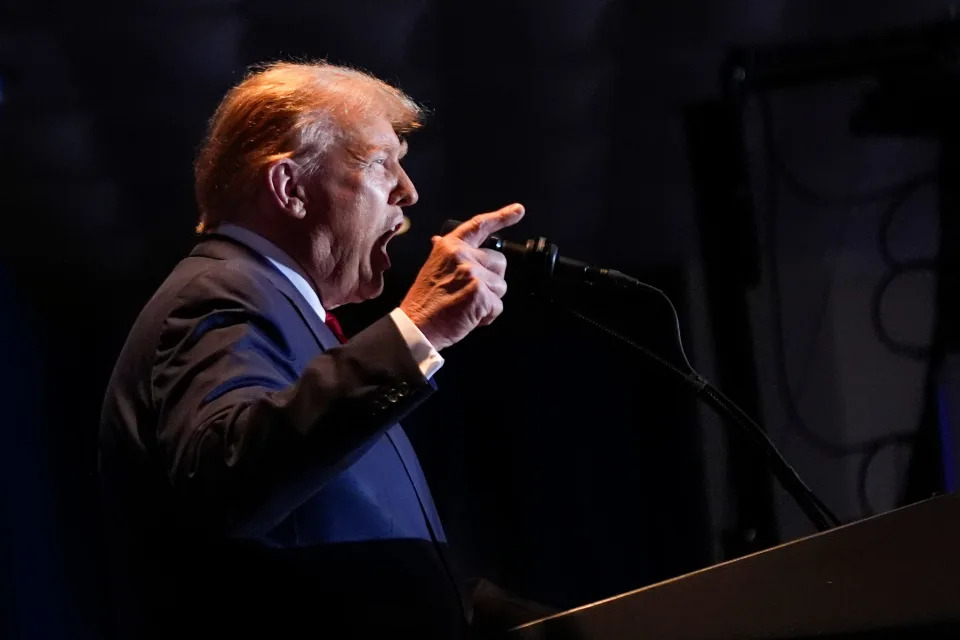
x: 404, y: 194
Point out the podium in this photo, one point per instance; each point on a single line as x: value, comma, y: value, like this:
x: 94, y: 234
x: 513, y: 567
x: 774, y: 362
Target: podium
x: 892, y: 575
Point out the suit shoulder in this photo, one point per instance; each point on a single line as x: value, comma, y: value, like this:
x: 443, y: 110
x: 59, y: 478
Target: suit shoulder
x: 240, y: 282
x: 197, y: 286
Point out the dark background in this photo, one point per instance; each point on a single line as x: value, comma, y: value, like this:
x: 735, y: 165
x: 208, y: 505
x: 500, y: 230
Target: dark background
x: 566, y: 467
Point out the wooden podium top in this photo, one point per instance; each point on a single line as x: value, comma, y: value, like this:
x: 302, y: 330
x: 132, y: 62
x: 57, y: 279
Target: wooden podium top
x: 894, y: 572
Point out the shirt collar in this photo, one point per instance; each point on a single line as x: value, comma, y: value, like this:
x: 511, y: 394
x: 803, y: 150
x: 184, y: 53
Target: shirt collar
x: 278, y: 258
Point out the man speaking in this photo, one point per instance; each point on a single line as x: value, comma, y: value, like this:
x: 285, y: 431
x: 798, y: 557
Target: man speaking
x: 255, y: 480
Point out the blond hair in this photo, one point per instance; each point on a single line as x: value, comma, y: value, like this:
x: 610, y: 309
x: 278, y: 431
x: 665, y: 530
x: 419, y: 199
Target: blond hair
x: 286, y: 110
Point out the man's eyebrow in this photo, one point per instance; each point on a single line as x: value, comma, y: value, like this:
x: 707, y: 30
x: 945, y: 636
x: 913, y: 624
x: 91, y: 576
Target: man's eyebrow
x: 369, y: 149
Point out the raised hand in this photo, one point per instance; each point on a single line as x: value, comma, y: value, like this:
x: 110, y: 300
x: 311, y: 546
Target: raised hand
x: 460, y: 286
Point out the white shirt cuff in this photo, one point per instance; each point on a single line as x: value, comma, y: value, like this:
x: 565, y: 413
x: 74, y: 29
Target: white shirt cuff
x: 427, y: 358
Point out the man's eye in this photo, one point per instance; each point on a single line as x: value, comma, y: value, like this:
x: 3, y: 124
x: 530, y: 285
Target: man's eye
x: 380, y: 161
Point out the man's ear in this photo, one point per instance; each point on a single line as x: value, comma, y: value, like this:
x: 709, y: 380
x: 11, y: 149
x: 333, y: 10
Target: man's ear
x: 284, y: 188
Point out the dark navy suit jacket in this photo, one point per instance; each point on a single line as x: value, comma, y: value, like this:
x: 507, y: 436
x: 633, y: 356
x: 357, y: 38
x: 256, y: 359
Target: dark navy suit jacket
x: 255, y: 479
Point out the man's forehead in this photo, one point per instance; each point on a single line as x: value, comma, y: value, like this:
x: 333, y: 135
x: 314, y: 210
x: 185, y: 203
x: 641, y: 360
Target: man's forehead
x: 368, y: 136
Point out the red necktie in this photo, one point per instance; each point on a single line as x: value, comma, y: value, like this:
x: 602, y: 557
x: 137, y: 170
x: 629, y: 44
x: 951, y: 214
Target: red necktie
x: 334, y: 325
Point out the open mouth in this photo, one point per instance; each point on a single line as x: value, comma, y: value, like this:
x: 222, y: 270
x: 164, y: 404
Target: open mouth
x: 383, y: 240
x: 389, y: 234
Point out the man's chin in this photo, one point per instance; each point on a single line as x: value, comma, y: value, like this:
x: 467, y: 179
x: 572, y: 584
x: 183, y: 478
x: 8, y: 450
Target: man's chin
x: 371, y: 288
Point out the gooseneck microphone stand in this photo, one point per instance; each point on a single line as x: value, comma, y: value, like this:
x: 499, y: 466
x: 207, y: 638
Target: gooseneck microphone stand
x: 814, y: 508
x: 539, y: 265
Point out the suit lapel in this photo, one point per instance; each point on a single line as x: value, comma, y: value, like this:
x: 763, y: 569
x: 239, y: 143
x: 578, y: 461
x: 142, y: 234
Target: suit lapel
x: 225, y: 248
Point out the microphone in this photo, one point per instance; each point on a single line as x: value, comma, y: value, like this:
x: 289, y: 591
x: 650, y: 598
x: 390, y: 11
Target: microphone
x: 539, y: 262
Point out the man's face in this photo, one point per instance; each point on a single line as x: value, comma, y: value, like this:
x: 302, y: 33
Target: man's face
x: 357, y: 196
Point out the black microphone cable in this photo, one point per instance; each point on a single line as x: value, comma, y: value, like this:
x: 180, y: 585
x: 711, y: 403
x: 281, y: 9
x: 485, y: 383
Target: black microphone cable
x: 813, y: 507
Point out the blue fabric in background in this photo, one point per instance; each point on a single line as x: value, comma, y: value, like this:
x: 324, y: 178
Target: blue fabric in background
x: 34, y: 602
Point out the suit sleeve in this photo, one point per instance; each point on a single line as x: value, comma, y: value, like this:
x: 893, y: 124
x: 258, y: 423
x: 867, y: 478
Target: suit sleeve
x: 244, y: 438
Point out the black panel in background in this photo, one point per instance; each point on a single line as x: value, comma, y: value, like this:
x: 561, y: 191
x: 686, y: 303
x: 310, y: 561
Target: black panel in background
x: 731, y: 263
x: 930, y: 460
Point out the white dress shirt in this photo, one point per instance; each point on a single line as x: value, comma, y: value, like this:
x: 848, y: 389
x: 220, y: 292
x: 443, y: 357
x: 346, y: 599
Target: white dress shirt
x: 427, y: 358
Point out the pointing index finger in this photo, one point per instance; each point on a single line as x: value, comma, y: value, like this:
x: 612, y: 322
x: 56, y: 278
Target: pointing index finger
x: 478, y: 228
